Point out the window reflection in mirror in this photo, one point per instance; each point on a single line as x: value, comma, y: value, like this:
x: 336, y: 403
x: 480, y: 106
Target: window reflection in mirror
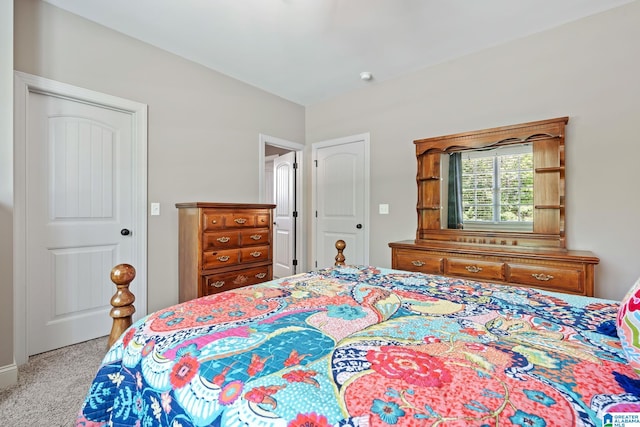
x: 488, y: 189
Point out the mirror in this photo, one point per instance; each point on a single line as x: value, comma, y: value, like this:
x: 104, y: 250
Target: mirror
x: 499, y: 186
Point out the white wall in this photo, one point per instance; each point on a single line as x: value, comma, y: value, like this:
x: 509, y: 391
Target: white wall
x: 8, y: 372
x: 587, y: 70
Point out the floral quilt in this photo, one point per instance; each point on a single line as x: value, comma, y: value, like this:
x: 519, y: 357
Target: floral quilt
x: 363, y: 346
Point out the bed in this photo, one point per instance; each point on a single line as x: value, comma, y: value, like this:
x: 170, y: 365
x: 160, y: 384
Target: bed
x: 363, y: 346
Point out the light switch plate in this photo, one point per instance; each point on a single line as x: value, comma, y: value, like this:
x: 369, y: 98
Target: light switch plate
x: 155, y: 208
x: 383, y: 209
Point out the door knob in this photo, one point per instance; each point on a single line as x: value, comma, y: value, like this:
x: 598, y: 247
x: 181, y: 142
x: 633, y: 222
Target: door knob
x: 359, y: 226
x: 125, y: 232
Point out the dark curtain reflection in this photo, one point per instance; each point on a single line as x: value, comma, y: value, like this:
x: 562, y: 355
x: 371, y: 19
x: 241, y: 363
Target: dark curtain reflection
x: 454, y: 217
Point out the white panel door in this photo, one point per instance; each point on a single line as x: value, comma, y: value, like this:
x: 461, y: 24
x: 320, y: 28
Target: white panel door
x: 79, y: 197
x: 284, y: 230
x: 269, y: 179
x: 340, y: 202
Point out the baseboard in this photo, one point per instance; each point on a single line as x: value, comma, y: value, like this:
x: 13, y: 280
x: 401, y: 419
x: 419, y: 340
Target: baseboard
x: 8, y: 375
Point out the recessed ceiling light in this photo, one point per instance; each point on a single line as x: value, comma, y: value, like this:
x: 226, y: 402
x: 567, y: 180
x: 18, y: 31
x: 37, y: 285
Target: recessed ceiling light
x: 366, y: 76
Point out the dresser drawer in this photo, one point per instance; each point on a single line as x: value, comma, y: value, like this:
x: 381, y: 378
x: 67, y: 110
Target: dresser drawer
x: 258, y: 236
x: 226, y: 239
x: 215, y: 283
x: 213, y: 220
x: 476, y: 269
x: 221, y: 258
x: 253, y: 254
x: 417, y: 261
x: 557, y: 278
x: 263, y: 219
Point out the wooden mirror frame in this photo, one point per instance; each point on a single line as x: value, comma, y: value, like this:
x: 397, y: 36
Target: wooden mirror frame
x: 547, y: 139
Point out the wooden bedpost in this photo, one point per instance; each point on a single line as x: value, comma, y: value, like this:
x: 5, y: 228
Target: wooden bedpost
x: 340, y: 245
x: 122, y: 301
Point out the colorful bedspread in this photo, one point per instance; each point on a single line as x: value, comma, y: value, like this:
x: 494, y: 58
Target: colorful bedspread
x: 368, y: 347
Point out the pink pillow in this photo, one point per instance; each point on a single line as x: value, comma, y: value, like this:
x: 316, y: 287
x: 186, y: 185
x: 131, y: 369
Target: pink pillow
x: 628, y: 325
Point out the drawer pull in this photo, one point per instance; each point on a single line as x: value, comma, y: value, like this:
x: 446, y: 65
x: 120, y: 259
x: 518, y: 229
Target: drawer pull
x: 542, y: 277
x: 223, y: 239
x: 223, y: 258
x: 473, y: 269
x: 256, y: 237
x: 256, y: 254
x: 218, y: 284
x: 418, y: 263
x: 214, y: 221
x: 240, y: 220
x: 261, y: 275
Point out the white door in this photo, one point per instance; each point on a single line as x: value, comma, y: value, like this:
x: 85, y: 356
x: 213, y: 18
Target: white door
x: 266, y: 145
x: 284, y: 230
x: 341, y: 200
x: 268, y: 179
x: 79, y: 205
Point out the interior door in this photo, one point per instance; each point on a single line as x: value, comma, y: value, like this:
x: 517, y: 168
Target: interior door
x: 284, y: 230
x: 79, y: 216
x: 269, y: 180
x: 340, y: 192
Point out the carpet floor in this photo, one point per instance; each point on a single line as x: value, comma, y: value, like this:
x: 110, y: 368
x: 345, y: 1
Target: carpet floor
x: 51, y: 386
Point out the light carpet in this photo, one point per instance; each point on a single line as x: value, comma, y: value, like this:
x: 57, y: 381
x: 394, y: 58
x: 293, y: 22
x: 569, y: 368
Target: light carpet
x: 51, y: 386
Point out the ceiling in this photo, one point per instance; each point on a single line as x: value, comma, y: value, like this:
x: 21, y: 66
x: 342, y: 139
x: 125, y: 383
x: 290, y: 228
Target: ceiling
x: 307, y: 51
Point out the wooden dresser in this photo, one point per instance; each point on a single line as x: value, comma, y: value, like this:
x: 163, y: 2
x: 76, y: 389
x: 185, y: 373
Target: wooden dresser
x: 530, y: 253
x: 223, y: 246
x: 560, y: 271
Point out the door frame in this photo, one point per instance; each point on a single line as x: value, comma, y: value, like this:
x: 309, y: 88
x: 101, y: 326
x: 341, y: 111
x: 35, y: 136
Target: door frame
x: 263, y: 141
x: 24, y: 85
x: 365, y: 137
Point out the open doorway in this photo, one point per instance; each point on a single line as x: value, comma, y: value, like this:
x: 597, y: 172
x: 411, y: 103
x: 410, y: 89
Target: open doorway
x: 281, y: 184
